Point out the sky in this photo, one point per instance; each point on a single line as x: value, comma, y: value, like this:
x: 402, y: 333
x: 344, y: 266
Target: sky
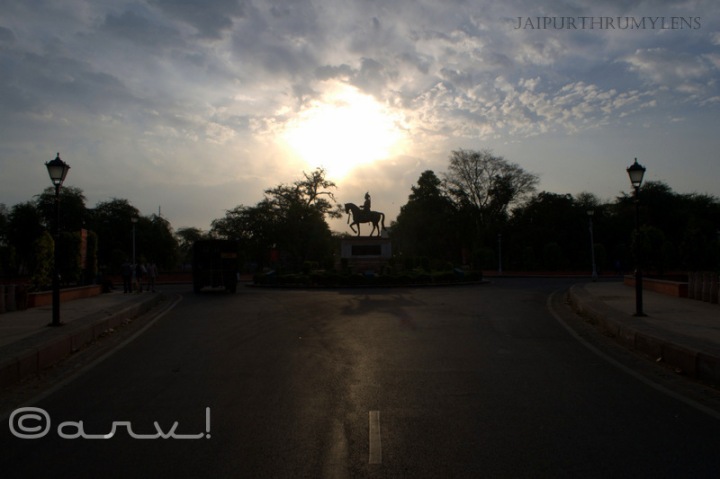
x: 191, y: 108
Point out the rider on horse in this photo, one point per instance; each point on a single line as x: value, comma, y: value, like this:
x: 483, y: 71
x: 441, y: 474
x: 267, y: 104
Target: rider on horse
x: 365, y: 215
x: 366, y: 205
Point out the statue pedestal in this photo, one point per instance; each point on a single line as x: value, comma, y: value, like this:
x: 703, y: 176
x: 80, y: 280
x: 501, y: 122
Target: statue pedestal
x: 366, y: 253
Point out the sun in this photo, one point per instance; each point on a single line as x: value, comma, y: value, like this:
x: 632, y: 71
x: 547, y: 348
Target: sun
x: 343, y: 130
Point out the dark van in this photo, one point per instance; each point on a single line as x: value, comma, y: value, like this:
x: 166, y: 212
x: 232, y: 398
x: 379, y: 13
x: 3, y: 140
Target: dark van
x: 215, y: 264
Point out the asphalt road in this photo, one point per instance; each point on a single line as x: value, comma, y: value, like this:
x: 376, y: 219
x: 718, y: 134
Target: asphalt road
x: 469, y: 381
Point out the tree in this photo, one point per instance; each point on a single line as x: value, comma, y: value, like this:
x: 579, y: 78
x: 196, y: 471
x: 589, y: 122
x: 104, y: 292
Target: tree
x: 549, y: 226
x: 255, y: 227
x: 688, y: 223
x: 91, y: 261
x: 157, y: 242
x: 487, y: 183
x: 4, y: 220
x: 312, y: 192
x: 6, y: 250
x: 73, y: 213
x: 483, y: 188
x: 424, y: 228
x: 23, y: 230
x: 42, y: 272
x: 112, y: 221
x: 291, y: 218
x: 67, y: 245
x: 185, y: 238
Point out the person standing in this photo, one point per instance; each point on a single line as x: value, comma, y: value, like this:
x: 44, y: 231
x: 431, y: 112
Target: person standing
x: 126, y: 270
x: 151, y: 274
x: 139, y: 274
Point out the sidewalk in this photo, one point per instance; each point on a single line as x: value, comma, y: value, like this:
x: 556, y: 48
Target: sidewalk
x: 684, y: 333
x: 28, y: 344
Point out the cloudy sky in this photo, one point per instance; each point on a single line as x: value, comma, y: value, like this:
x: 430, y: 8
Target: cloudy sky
x: 196, y: 107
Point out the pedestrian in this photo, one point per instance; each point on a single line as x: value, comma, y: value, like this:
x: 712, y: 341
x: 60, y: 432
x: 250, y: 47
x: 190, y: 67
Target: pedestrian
x: 151, y: 274
x: 126, y: 270
x: 139, y: 274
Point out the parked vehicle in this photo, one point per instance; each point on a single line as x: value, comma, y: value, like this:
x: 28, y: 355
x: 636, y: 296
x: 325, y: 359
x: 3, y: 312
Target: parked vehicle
x: 215, y: 264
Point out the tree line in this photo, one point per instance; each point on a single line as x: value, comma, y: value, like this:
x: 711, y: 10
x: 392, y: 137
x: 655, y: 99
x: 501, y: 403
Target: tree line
x: 486, y: 212
x: 27, y: 240
x: 483, y: 211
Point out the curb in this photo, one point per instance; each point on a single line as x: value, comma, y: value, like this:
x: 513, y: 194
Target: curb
x: 633, y: 334
x: 33, y: 360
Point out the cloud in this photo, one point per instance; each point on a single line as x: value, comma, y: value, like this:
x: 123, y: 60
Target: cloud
x: 665, y: 67
x: 211, y: 18
x: 141, y: 30
x: 7, y: 37
x: 154, y: 91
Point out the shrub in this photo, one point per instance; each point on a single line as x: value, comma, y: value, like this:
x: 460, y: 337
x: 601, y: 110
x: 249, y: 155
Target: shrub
x: 44, y: 252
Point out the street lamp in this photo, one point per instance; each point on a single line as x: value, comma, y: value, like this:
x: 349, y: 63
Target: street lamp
x: 636, y: 172
x: 590, y: 214
x: 58, y: 170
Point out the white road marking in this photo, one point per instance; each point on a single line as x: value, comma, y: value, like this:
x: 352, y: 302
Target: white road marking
x: 657, y: 386
x: 375, y: 443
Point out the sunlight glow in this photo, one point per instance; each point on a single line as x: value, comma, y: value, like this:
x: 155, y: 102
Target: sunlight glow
x: 343, y: 130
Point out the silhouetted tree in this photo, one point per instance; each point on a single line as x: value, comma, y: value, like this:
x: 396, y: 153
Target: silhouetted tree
x: 549, y: 229
x: 112, y: 221
x: 7, y: 252
x: 425, y: 227
x: 156, y: 242
x: 43, y: 249
x: 291, y: 218
x: 186, y: 237
x: 483, y: 188
x: 23, y: 230
x: 487, y: 183
x: 73, y: 213
x: 4, y: 220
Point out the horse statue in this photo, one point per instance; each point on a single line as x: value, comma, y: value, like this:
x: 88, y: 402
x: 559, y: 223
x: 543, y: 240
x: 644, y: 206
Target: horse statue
x: 359, y: 215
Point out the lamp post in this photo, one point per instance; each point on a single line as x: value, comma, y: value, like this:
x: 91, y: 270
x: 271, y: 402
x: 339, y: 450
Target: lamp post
x: 590, y: 214
x: 636, y: 172
x: 58, y: 170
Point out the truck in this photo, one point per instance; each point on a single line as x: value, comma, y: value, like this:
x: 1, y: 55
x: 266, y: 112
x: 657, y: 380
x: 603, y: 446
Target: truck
x: 216, y: 263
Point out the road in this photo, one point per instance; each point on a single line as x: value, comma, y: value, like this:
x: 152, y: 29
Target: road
x: 468, y: 381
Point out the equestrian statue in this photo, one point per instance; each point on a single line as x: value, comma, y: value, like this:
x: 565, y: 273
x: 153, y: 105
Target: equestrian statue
x: 365, y: 215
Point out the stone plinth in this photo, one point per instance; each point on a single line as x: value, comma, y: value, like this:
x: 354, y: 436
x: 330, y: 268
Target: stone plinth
x: 365, y: 253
